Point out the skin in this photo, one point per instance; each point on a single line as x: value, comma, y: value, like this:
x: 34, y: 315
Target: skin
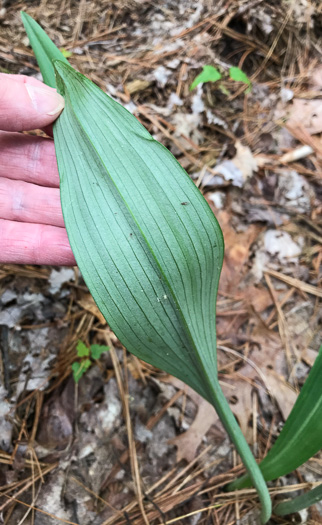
x: 31, y: 223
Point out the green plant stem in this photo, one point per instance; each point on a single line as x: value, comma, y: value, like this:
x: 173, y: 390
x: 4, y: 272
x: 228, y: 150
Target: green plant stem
x: 299, y: 503
x: 230, y: 424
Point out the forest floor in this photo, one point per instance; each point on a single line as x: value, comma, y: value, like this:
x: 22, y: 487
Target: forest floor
x: 256, y: 155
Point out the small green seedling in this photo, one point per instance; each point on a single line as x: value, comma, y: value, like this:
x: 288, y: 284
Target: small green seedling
x: 211, y: 74
x: 236, y: 74
x: 208, y: 74
x: 86, y: 356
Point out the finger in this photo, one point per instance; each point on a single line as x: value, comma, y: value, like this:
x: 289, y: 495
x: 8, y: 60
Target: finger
x: 28, y: 158
x: 27, y: 104
x: 23, y: 243
x: 24, y: 202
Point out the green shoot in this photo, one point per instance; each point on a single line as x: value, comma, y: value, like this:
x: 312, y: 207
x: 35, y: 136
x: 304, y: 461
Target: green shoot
x: 208, y: 74
x: 301, y: 436
x: 79, y: 369
x: 84, y: 353
x: 211, y: 74
x: 236, y: 74
x: 82, y: 349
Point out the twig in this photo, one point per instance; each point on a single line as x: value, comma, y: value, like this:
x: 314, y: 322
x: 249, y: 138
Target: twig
x: 300, y: 285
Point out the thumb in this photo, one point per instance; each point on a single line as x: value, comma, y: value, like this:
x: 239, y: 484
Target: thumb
x: 26, y: 103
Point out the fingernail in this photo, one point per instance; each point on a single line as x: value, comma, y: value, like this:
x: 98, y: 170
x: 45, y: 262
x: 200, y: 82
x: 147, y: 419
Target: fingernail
x: 45, y: 100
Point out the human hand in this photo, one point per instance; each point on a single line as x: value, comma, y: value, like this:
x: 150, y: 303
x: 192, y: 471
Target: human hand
x: 31, y: 223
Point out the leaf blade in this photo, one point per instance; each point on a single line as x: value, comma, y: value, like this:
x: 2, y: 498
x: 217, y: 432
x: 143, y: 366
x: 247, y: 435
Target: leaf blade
x: 98, y: 350
x: 82, y: 350
x: 178, y: 335
x: 130, y: 197
x: 44, y: 49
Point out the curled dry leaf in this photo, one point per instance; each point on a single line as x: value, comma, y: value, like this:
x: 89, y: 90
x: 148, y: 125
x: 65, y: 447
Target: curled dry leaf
x: 305, y: 114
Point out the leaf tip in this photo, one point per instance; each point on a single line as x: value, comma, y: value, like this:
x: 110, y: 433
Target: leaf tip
x: 59, y: 70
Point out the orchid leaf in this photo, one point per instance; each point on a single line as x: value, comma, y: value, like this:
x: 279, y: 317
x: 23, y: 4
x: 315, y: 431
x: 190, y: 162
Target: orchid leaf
x: 145, y: 239
x: 44, y: 49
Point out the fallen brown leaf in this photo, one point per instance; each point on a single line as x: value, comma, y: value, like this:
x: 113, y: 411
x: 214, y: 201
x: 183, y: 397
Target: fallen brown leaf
x: 246, y: 296
x: 87, y: 302
x: 237, y: 247
x: 188, y: 442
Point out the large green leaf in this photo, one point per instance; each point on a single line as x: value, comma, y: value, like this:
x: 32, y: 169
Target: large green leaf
x: 147, y: 243
x: 301, y: 436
